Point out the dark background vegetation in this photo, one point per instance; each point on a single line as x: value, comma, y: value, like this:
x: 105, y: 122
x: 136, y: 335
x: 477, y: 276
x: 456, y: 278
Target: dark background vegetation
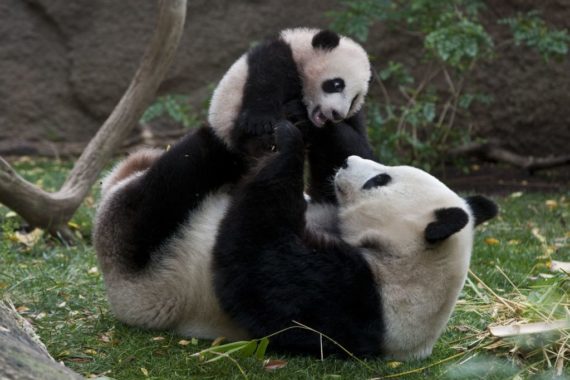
x: 64, y: 65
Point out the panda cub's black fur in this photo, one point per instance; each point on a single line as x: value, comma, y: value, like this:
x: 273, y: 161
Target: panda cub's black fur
x: 323, y: 74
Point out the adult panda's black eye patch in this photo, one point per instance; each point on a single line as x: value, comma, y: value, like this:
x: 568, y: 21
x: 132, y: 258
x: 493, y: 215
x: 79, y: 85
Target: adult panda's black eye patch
x: 333, y: 85
x: 376, y: 181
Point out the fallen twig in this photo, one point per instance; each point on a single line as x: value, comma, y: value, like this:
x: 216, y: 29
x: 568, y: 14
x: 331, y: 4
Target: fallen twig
x: 493, y: 151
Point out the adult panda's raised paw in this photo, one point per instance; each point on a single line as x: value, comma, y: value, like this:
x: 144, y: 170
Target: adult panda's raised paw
x: 287, y: 136
x: 296, y: 112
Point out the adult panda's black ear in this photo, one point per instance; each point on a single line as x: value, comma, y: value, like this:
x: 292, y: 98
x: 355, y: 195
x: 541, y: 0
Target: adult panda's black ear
x: 447, y: 222
x: 326, y: 40
x: 483, y: 208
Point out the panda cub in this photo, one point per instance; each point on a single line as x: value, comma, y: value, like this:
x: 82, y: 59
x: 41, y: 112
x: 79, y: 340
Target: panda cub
x: 195, y: 241
x: 328, y: 72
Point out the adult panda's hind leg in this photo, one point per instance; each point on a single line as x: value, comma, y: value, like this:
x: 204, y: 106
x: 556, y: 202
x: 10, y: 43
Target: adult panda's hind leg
x: 138, y: 217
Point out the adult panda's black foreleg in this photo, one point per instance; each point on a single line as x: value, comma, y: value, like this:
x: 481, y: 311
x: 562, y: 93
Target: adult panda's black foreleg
x: 159, y: 201
x: 269, y: 273
x: 328, y: 148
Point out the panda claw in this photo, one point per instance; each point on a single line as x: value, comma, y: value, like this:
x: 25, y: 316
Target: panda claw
x: 260, y: 127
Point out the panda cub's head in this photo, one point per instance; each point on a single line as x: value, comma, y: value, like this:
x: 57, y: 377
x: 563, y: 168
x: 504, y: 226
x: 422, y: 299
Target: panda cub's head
x: 417, y: 236
x: 335, y: 72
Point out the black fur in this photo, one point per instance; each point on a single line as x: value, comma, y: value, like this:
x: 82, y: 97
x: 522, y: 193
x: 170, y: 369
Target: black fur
x: 272, y: 81
x: 483, y: 209
x: 377, y: 181
x: 448, y: 221
x: 157, y: 203
x: 269, y: 272
x: 333, y: 85
x: 326, y: 40
x: 328, y: 147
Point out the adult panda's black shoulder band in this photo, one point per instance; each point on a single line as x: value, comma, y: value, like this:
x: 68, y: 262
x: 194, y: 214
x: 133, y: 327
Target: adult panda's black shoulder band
x: 326, y: 39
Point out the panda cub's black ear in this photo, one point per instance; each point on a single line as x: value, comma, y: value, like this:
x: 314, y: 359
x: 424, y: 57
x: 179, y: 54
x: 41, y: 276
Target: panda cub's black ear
x: 483, y: 208
x: 326, y: 40
x: 447, y: 222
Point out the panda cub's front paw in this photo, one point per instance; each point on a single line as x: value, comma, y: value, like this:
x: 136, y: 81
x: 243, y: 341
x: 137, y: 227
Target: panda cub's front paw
x: 256, y: 124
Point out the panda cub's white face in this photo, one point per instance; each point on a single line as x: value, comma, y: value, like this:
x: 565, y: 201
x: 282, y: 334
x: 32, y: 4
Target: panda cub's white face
x: 335, y: 79
x: 335, y: 85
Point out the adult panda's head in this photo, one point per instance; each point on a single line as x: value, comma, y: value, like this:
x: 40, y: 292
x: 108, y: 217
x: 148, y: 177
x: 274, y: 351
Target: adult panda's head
x: 335, y: 72
x: 406, y: 207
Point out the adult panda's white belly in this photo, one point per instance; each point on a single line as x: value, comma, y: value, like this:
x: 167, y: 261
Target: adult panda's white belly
x: 177, y: 292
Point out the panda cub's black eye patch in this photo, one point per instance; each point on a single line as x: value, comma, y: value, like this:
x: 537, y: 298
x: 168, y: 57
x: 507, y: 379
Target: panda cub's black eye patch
x: 376, y: 181
x: 333, y: 85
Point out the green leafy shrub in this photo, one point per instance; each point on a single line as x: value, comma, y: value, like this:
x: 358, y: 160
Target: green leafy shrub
x: 530, y: 30
x: 174, y: 107
x: 416, y: 121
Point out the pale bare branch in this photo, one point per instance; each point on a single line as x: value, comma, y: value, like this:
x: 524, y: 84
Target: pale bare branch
x: 52, y: 211
x: 528, y: 328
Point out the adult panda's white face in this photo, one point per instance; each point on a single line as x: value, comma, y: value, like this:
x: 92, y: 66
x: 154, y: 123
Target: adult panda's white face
x: 405, y: 205
x: 396, y: 202
x: 335, y: 72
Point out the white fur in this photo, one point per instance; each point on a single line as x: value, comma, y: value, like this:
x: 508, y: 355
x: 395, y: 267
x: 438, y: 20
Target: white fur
x: 227, y: 98
x: 135, y: 164
x: 348, y: 61
x: 418, y: 283
x: 176, y: 293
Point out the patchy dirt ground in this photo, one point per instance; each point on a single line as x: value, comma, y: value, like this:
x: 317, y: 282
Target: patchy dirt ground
x: 503, y: 179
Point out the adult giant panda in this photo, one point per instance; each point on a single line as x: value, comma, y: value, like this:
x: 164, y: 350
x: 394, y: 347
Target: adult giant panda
x: 187, y: 241
x: 328, y: 72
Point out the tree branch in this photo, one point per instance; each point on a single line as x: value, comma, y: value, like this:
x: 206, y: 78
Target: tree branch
x: 493, y: 151
x: 52, y: 211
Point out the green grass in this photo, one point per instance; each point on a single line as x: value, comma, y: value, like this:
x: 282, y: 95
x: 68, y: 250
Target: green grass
x: 58, y: 288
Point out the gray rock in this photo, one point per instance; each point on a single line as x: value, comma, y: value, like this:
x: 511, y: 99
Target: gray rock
x: 65, y: 64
